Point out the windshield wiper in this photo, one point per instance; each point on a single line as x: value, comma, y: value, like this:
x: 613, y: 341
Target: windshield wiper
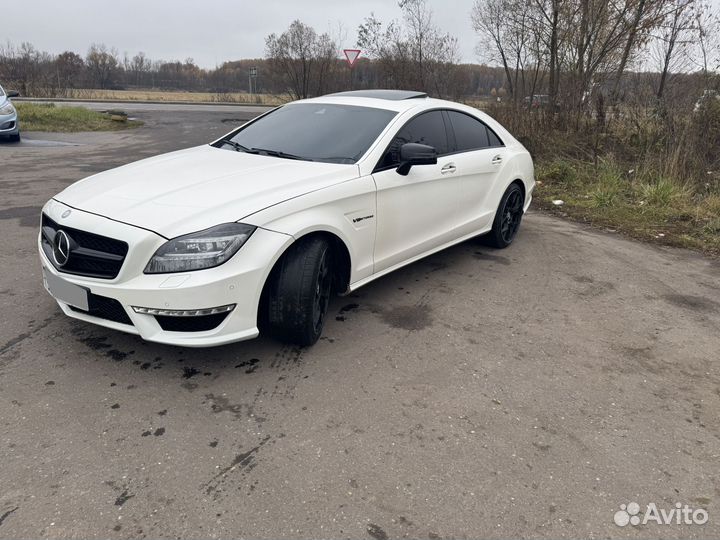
x: 238, y: 147
x: 277, y: 153
x: 274, y: 153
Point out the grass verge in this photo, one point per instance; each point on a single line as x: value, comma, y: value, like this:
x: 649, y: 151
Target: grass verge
x: 641, y: 204
x: 48, y: 117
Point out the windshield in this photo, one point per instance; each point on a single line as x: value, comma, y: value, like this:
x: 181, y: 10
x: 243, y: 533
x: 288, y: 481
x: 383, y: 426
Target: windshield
x: 314, y: 132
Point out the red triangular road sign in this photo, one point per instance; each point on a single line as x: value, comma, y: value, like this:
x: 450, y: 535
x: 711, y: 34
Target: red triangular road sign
x: 351, y: 55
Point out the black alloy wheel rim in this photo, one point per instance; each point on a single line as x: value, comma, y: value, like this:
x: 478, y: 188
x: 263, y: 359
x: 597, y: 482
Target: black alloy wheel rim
x: 511, y: 216
x: 322, y: 293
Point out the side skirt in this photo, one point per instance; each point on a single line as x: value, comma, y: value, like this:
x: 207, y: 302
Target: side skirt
x: 355, y: 286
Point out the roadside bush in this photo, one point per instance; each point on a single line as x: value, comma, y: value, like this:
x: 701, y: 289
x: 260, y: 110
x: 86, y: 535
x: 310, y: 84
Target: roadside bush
x: 705, y: 135
x: 711, y: 205
x: 558, y: 172
x: 608, y: 179
x: 664, y: 192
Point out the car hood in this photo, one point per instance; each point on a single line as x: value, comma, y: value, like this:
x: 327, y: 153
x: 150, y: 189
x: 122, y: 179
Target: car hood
x: 191, y: 190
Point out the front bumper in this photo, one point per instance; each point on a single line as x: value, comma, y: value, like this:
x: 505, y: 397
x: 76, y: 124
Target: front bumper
x: 9, y: 124
x: 239, y: 281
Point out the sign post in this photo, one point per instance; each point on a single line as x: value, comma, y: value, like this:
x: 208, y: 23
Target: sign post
x: 252, y: 79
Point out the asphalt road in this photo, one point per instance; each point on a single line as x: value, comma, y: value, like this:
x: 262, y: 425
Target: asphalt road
x: 519, y: 393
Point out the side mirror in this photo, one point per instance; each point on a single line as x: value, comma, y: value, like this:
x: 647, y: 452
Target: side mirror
x: 415, y: 154
x: 13, y: 93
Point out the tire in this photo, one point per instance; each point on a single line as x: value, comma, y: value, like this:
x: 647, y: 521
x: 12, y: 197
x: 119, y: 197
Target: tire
x: 299, y: 292
x: 507, y: 218
x: 14, y: 138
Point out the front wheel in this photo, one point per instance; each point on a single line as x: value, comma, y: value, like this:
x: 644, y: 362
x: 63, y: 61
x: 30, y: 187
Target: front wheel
x: 507, y: 218
x: 300, y: 291
x: 14, y: 138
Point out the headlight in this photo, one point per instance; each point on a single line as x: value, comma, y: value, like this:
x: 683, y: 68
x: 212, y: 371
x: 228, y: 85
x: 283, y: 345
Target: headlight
x: 7, y: 109
x: 196, y: 251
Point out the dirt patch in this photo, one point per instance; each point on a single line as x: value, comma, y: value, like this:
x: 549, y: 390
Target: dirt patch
x: 29, y: 216
x: 408, y: 317
x: 693, y: 303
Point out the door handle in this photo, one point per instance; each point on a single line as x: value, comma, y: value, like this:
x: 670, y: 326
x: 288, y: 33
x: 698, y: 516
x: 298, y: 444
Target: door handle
x: 497, y: 160
x: 449, y: 168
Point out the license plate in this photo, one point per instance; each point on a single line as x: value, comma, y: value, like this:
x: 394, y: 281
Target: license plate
x: 65, y: 291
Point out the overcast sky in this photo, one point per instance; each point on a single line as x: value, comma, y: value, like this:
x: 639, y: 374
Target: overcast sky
x: 208, y: 32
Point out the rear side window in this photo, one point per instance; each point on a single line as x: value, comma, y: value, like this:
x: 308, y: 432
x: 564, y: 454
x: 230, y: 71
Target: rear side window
x: 494, y: 139
x: 471, y: 133
x: 426, y: 128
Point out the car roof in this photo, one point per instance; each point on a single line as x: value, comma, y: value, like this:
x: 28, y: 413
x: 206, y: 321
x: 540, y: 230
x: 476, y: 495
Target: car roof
x: 393, y: 95
x: 393, y: 100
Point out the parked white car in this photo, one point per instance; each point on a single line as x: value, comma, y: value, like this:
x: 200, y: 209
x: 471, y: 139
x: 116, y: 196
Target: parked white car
x: 257, y: 230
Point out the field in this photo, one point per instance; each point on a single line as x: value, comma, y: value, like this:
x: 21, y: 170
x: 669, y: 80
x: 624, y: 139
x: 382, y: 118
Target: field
x: 179, y: 96
x: 66, y: 119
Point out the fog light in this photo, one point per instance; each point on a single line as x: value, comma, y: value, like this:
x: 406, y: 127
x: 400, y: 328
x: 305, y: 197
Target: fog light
x: 184, y: 312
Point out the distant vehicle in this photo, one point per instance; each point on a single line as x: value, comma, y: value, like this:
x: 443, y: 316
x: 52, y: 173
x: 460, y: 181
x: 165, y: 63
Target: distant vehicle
x: 536, y: 101
x: 707, y: 97
x: 9, y: 126
x: 257, y: 230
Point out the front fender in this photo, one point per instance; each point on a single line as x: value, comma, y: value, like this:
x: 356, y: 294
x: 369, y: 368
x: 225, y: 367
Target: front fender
x: 346, y: 210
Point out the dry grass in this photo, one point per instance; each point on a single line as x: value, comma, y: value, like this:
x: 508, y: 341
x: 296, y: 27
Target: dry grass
x: 649, y: 172
x: 648, y: 207
x: 165, y: 96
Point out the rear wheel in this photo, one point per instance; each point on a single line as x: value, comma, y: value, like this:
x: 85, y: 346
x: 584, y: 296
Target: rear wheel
x: 507, y: 218
x: 299, y: 292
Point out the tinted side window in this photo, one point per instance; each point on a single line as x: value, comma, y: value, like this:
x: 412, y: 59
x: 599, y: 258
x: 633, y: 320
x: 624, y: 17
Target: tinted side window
x: 427, y: 128
x: 494, y: 139
x: 471, y: 133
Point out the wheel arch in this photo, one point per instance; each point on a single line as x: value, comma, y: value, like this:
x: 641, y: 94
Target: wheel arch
x: 342, y: 265
x: 520, y: 183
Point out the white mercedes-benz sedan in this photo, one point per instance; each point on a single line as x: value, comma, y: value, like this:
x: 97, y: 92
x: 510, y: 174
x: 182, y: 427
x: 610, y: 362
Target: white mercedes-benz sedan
x: 256, y: 231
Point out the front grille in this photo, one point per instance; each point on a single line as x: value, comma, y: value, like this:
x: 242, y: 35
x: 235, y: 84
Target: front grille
x: 91, y: 255
x: 106, y: 308
x: 191, y: 324
x: 7, y: 125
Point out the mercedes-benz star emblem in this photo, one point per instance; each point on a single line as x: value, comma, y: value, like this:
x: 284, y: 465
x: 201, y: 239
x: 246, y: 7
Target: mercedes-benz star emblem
x: 65, y: 214
x: 61, y: 248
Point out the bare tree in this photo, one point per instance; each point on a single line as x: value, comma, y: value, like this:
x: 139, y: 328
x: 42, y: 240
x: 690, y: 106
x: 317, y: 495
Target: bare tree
x: 301, y: 57
x: 674, y: 40
x: 707, y: 22
x: 69, y: 68
x: 139, y: 65
x: 102, y: 64
x: 513, y: 32
x: 387, y: 46
x: 412, y: 53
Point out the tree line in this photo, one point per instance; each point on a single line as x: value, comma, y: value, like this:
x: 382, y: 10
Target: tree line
x: 571, y: 51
